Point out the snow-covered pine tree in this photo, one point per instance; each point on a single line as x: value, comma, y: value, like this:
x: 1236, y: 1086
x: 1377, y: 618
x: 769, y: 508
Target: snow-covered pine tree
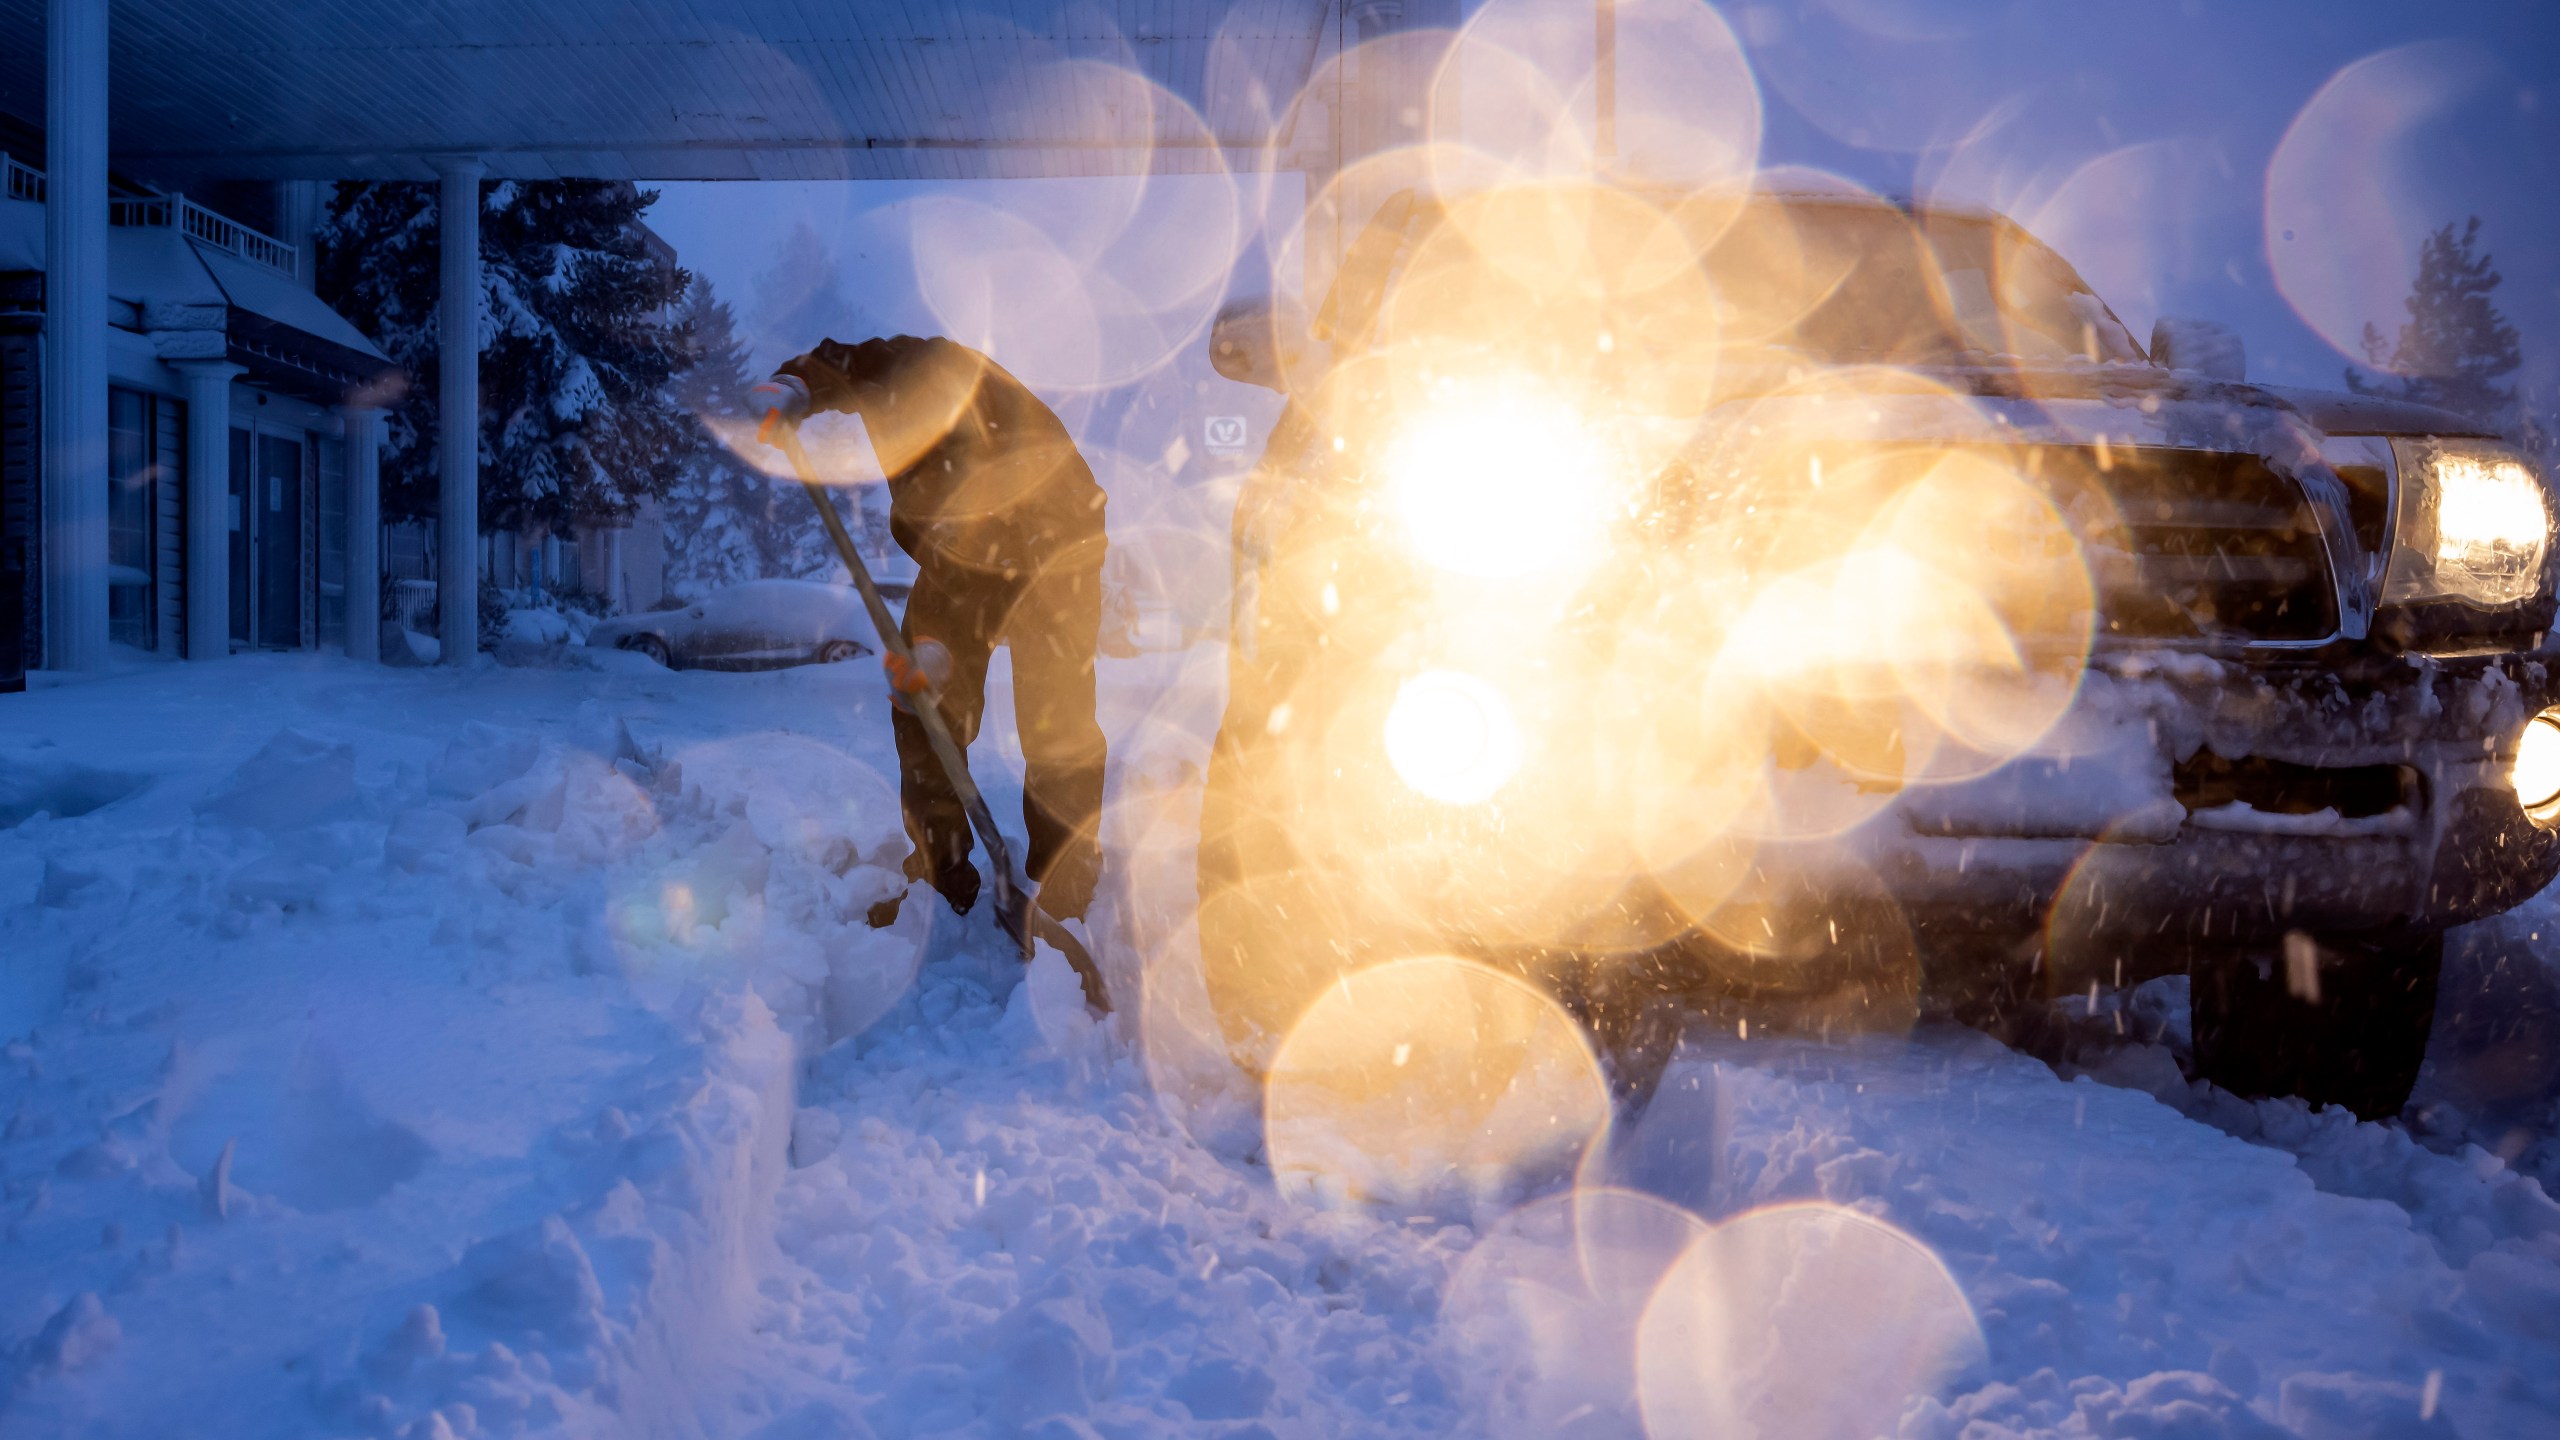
x: 726, y: 522
x: 2456, y: 347
x: 579, y: 336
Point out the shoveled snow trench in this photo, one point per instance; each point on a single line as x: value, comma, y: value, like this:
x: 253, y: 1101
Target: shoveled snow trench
x: 407, y: 1053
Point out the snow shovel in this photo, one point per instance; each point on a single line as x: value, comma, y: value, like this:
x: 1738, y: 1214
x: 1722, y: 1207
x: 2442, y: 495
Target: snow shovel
x: 1021, y: 920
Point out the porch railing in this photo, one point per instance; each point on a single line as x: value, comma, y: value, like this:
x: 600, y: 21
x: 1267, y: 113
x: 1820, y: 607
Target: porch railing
x: 168, y: 212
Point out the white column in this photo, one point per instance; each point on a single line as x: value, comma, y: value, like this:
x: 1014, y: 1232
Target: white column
x: 208, y: 587
x: 297, y: 217
x: 458, y: 410
x: 364, y: 532
x: 75, y: 335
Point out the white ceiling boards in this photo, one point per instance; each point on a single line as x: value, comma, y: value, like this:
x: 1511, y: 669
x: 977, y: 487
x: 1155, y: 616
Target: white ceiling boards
x: 683, y: 89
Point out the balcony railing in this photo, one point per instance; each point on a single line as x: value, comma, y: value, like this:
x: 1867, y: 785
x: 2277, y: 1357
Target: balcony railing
x: 168, y: 212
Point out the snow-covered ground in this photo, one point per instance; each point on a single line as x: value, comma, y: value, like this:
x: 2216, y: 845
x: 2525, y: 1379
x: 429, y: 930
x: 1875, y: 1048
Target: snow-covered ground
x: 413, y: 1053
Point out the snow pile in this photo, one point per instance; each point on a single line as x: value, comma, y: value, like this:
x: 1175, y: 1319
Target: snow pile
x: 997, y: 1231
x: 391, y: 1051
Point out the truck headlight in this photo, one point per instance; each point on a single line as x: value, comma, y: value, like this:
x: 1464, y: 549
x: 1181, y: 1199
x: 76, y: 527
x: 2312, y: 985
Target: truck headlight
x: 1452, y: 737
x: 2537, y: 768
x: 2474, y: 525
x: 1499, y: 480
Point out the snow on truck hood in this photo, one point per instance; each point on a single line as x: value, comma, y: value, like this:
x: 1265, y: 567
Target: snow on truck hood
x: 2078, y: 405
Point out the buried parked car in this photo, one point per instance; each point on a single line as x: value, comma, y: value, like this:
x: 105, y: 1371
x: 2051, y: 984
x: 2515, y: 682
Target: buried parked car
x: 760, y: 625
x: 1816, y: 604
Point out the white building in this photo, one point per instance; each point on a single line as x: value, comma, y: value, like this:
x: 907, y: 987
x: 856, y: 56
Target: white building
x: 229, y: 438
x: 237, y: 412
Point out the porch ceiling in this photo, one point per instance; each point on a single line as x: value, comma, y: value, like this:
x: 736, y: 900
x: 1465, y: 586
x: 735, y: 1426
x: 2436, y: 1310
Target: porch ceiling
x: 681, y: 89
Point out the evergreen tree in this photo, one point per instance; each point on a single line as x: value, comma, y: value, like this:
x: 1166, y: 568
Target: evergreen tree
x: 2456, y: 347
x: 728, y: 521
x: 579, y: 338
x: 724, y: 520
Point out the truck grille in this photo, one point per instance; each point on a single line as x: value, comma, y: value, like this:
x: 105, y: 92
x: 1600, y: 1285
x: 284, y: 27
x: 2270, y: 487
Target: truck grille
x: 2194, y: 544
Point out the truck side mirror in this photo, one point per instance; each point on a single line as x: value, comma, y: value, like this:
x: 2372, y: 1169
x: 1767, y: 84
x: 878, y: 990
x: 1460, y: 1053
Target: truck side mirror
x: 2207, y: 347
x: 1258, y: 342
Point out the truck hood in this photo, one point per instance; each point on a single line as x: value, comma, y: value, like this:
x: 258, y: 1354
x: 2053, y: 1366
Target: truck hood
x: 2332, y: 412
x: 2339, y: 412
x: 2133, y: 383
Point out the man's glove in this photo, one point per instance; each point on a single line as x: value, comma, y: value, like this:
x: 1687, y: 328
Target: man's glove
x: 931, y: 671
x: 779, y: 399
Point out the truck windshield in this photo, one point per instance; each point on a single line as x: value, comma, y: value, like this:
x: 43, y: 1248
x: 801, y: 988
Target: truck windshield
x: 1860, y: 283
x: 1832, y: 281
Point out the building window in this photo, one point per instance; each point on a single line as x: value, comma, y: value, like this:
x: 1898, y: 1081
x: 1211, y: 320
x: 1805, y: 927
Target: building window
x: 132, y: 477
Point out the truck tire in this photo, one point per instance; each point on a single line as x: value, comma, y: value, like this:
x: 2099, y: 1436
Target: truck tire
x: 2355, y: 1038
x: 1998, y: 984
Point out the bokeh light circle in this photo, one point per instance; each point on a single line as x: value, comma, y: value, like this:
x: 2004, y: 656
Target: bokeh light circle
x: 2347, y: 201
x: 1542, y: 1313
x: 1452, y: 737
x: 1800, y: 1322
x: 1430, y: 1081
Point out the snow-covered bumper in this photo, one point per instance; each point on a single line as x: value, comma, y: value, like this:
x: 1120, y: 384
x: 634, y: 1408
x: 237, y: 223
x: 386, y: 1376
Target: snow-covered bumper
x: 2192, y: 801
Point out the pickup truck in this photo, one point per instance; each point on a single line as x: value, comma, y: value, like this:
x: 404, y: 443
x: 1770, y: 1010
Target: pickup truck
x: 1819, y: 610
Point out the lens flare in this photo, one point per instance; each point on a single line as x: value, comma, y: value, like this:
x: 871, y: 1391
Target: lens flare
x: 2347, y: 202
x: 1543, y: 1311
x: 1901, y: 75
x: 1452, y: 737
x: 1426, y: 1082
x: 1801, y: 1322
x: 1100, y: 293
x: 1524, y: 867
x: 1676, y: 106
x: 1499, y: 480
x: 2130, y: 220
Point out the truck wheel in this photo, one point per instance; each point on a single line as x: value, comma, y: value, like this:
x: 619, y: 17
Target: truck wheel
x: 2336, y: 1023
x: 1997, y: 984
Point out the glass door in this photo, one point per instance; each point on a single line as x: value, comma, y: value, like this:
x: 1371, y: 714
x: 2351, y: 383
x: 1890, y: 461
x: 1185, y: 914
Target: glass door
x: 277, y: 539
x: 242, y: 448
x: 130, y: 510
x: 331, y: 579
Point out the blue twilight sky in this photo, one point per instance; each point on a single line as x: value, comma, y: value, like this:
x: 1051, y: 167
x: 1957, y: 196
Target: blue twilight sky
x: 2271, y: 164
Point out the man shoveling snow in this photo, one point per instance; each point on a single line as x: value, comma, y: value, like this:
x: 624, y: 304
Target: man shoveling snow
x: 1005, y: 523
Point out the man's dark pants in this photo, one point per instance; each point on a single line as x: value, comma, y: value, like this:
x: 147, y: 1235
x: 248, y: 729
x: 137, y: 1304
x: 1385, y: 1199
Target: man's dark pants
x: 1049, y: 620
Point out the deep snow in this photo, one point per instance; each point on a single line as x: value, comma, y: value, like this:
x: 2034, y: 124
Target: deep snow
x: 420, y: 1053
